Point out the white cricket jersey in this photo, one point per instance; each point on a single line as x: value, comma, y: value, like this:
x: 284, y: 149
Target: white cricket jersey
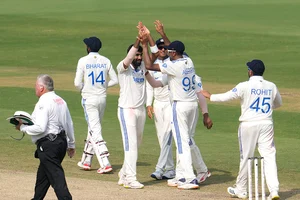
x: 181, y: 78
x: 92, y: 75
x: 50, y: 115
x: 160, y: 93
x: 258, y: 98
x: 132, y: 86
x: 198, y: 85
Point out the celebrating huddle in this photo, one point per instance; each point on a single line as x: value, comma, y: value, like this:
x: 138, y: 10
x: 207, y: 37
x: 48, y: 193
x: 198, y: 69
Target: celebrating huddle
x: 168, y: 76
x: 176, y: 91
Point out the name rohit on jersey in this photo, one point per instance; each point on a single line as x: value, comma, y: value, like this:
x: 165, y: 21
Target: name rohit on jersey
x: 265, y: 92
x: 97, y: 65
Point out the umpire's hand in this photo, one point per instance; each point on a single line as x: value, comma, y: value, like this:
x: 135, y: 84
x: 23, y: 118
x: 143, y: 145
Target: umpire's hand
x: 71, y: 152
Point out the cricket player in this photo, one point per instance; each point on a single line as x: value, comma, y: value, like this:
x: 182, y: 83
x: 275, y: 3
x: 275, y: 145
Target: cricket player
x: 161, y: 111
x: 181, y: 76
x: 258, y: 99
x: 94, y: 74
x: 131, y: 108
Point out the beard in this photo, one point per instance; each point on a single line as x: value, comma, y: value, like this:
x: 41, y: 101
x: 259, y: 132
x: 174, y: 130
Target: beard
x: 136, y: 63
x: 87, y: 50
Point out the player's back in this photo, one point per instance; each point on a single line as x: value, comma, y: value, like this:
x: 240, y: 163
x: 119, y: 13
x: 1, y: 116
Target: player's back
x: 96, y: 69
x: 182, y: 81
x: 258, y: 99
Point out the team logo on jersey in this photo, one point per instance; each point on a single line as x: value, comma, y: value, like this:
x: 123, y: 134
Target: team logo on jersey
x: 138, y: 76
x: 165, y: 65
x: 234, y: 90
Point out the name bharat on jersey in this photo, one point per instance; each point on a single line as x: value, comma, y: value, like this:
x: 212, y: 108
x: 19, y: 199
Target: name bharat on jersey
x: 96, y: 65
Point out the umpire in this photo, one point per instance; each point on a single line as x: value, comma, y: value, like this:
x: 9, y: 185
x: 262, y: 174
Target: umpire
x: 52, y: 127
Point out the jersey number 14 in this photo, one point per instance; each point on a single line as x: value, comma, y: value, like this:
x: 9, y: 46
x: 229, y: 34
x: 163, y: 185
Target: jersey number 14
x: 97, y: 79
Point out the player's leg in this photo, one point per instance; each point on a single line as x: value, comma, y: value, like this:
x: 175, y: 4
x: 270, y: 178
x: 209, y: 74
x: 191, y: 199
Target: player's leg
x: 92, y: 117
x: 266, y: 148
x: 87, y: 155
x: 165, y: 163
x: 128, y: 123
x: 248, y: 136
x: 197, y: 160
x: 181, y: 112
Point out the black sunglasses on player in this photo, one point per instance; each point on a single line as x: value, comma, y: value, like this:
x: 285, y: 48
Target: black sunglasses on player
x: 161, y: 47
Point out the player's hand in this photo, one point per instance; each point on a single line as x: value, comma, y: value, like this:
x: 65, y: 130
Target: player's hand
x: 150, y: 111
x: 159, y: 27
x: 205, y: 93
x: 71, y: 152
x: 207, y: 121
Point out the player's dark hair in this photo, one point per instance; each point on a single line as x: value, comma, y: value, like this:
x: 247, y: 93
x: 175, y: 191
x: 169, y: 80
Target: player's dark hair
x: 140, y: 49
x: 258, y: 73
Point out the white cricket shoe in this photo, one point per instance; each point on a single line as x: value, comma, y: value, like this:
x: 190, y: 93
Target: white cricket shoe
x: 133, y: 185
x: 122, y: 178
x: 84, y: 166
x: 168, y: 174
x: 202, y: 176
x: 104, y: 170
x: 157, y: 175
x: 237, y: 194
x: 172, y: 182
x: 183, y: 184
x: 273, y: 196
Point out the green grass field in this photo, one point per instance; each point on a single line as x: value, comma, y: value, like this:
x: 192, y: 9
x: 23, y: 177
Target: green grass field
x: 220, y: 36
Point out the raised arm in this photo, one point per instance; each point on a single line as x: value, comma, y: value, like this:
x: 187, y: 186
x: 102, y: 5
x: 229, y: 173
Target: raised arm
x: 145, y: 37
x: 160, y: 29
x: 131, y: 54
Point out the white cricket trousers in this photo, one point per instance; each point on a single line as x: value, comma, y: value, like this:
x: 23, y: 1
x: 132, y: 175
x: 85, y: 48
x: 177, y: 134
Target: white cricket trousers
x: 262, y: 134
x: 132, y: 122
x: 94, y: 108
x: 197, y: 159
x: 162, y: 120
x: 183, y: 118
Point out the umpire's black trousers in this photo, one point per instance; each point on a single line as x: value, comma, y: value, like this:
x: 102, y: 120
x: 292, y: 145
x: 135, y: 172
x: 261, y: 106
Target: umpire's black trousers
x: 50, y: 171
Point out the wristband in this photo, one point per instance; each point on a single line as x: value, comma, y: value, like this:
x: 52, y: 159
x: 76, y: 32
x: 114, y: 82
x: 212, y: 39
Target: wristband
x: 154, y: 49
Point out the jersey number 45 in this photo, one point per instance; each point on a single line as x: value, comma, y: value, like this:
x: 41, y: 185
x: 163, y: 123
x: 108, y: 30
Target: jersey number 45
x: 261, y: 103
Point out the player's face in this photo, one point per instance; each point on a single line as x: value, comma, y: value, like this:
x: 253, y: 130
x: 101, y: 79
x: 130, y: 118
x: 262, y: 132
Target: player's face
x: 137, y: 59
x: 162, y: 52
x: 250, y: 73
x: 171, y: 54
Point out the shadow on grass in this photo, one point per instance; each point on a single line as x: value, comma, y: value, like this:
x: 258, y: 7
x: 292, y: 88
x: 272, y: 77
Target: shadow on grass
x: 218, y: 177
x: 289, y: 194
